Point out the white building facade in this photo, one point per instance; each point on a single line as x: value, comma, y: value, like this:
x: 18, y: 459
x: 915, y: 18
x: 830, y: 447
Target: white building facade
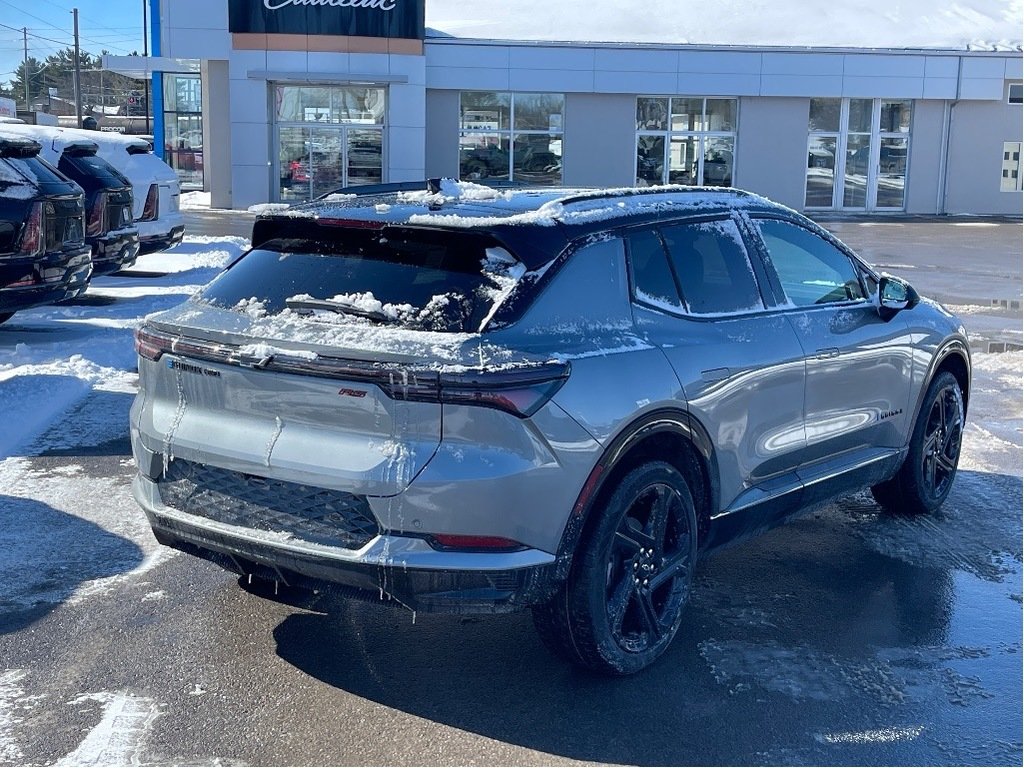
x: 296, y: 100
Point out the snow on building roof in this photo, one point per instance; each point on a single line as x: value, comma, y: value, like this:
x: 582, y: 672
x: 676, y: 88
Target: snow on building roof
x: 973, y: 24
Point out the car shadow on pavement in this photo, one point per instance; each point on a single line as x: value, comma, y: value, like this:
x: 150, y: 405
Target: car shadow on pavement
x: 46, y: 555
x: 835, y: 618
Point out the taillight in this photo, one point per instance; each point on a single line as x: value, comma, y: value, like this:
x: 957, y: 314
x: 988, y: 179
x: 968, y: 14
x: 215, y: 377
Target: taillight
x: 151, y: 344
x: 32, y: 241
x: 151, y: 211
x: 95, y: 225
x: 519, y: 392
x: 449, y: 541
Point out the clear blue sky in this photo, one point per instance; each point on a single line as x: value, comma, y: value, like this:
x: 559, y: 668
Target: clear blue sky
x: 114, y: 25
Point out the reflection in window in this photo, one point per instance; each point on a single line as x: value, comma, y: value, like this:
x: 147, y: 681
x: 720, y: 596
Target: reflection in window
x: 824, y: 115
x: 811, y: 269
x: 652, y: 279
x: 895, y: 116
x: 329, y: 104
x: 685, y: 140
x: 711, y: 264
x: 506, y: 136
x: 183, y: 128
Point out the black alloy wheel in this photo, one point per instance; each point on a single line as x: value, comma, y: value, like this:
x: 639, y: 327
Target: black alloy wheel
x: 926, y: 477
x: 648, y: 568
x: 942, y: 437
x: 623, y: 601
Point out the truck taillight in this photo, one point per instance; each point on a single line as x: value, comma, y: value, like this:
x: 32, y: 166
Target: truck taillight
x: 96, y: 223
x: 32, y: 241
x: 151, y: 211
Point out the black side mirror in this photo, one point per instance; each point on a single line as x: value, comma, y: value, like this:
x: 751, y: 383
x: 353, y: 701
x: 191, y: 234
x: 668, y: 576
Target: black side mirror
x: 895, y: 295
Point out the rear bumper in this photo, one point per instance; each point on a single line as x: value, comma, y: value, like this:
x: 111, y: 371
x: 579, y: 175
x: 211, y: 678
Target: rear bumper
x: 161, y: 242
x: 114, y: 251
x: 404, y: 569
x: 56, y: 277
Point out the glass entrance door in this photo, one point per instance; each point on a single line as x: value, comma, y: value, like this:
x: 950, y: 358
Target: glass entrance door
x: 857, y: 152
x: 327, y: 138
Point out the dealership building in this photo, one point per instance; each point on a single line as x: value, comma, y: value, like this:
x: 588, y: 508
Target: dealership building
x: 284, y: 100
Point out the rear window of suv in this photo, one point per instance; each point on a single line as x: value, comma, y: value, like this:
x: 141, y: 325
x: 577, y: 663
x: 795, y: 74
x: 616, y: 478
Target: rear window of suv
x: 34, y: 169
x: 418, y: 279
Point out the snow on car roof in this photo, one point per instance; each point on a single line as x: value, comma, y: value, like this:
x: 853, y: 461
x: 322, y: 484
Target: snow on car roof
x: 460, y: 204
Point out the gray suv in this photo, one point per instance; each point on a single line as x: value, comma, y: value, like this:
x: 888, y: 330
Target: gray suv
x: 466, y: 400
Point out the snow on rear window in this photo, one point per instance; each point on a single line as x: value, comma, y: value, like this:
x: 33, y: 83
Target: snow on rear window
x: 422, y: 281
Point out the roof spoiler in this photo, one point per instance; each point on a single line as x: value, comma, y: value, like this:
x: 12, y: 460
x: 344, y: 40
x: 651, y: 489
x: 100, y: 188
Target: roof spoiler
x: 139, y: 148
x: 81, y: 148
x: 17, y: 146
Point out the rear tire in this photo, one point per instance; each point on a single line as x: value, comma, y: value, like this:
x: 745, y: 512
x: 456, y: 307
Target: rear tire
x: 926, y: 476
x: 623, y: 601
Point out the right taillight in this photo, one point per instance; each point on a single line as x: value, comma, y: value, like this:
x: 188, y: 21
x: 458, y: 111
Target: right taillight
x: 151, y: 211
x: 95, y: 224
x: 32, y: 240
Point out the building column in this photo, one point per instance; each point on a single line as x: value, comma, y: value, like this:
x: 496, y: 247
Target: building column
x: 216, y: 133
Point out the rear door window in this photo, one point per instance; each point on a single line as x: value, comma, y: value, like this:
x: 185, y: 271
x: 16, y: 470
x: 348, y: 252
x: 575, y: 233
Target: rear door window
x: 437, y: 281
x: 711, y: 264
x: 811, y: 270
x: 650, y: 273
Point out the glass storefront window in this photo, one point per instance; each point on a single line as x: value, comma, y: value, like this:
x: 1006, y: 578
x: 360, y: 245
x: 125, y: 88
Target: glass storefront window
x: 685, y: 140
x: 857, y: 153
x: 511, y: 136
x: 313, y: 104
x: 824, y: 115
x: 895, y: 116
x: 651, y: 114
x: 183, y: 128
x: 859, y: 120
x: 328, y: 137
x: 485, y: 111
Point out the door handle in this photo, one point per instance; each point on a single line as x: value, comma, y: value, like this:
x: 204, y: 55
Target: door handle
x: 715, y: 374
x: 827, y: 353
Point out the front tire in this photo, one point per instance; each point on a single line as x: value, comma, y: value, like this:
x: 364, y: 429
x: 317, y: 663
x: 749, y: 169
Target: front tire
x: 926, y: 476
x: 631, y: 577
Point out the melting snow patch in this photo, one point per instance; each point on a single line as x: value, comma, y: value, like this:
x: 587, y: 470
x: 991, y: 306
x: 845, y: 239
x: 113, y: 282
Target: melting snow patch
x: 11, y: 694
x: 121, y: 734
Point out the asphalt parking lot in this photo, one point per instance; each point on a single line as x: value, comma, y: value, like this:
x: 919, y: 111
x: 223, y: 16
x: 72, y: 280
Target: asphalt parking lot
x: 846, y: 637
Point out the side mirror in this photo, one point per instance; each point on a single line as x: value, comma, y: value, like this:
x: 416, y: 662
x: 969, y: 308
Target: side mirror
x: 895, y: 295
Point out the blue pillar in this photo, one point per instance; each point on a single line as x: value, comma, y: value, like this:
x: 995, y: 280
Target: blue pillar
x: 157, y: 86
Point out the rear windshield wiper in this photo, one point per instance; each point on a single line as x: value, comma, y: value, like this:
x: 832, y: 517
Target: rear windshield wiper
x: 309, y: 306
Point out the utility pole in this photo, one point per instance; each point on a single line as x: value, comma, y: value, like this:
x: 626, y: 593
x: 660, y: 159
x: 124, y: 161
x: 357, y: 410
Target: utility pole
x: 24, y: 69
x: 145, y: 53
x: 78, y: 76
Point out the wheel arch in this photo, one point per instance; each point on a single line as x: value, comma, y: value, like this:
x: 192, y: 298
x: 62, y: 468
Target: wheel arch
x: 953, y: 357
x: 674, y: 436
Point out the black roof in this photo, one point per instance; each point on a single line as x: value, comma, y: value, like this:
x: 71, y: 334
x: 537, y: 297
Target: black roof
x: 535, y: 223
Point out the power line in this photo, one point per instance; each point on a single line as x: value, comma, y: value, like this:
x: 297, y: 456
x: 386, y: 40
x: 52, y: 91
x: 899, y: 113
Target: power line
x: 31, y: 34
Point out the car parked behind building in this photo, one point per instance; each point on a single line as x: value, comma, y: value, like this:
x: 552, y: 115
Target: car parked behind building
x: 43, y: 254
x: 473, y: 400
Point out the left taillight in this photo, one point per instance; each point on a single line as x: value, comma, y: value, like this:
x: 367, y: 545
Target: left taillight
x: 32, y: 240
x: 151, y: 210
x: 95, y: 225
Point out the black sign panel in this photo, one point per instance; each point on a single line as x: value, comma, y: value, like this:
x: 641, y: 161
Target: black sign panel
x: 361, y: 18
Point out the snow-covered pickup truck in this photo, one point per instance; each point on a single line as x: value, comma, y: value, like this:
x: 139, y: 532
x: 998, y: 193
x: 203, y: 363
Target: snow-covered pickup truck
x: 156, y: 190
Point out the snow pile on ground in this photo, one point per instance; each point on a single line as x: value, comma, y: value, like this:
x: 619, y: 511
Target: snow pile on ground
x: 979, y: 24
x: 52, y: 357
x: 195, y: 201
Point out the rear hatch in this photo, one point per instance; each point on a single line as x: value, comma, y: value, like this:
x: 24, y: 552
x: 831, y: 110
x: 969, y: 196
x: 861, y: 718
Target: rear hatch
x: 326, y: 362
x: 110, y: 192
x: 26, y: 176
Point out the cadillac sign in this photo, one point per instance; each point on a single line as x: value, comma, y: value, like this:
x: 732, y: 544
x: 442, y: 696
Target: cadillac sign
x: 361, y: 18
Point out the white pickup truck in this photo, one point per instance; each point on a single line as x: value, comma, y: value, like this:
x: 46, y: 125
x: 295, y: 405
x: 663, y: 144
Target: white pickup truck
x: 156, y: 191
